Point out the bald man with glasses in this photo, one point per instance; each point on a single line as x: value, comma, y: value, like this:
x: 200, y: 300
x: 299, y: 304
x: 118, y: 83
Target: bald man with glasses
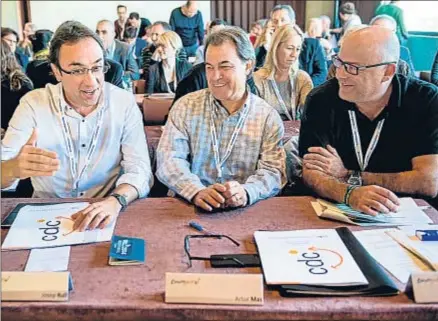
x: 370, y: 135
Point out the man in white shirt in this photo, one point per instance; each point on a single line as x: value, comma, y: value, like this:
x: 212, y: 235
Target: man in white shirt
x: 81, y: 137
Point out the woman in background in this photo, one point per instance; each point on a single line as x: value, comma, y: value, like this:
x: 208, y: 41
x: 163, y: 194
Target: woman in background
x: 263, y: 43
x: 279, y: 81
x: 14, y: 84
x: 349, y: 18
x: 40, y: 44
x: 165, y: 75
x: 26, y: 43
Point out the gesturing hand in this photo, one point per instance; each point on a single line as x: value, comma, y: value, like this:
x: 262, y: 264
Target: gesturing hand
x: 373, y: 199
x: 32, y: 161
x: 97, y: 215
x: 210, y: 197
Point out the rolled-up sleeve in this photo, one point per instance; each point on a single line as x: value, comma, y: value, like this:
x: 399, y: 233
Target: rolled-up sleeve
x: 270, y: 175
x: 173, y: 168
x: 136, y: 164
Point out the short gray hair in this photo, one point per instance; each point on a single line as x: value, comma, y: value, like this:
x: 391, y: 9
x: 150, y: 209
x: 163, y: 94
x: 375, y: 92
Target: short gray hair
x: 111, y: 24
x: 384, y: 17
x: 70, y: 32
x: 235, y: 35
x: 288, y: 8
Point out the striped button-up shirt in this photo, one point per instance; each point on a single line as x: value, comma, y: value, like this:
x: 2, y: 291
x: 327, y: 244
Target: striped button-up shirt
x: 186, y: 162
x: 121, y: 154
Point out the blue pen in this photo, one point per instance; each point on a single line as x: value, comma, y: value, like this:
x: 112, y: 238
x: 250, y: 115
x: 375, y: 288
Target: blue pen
x: 198, y: 227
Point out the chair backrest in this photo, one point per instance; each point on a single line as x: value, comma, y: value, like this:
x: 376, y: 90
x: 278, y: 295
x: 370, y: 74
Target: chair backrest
x: 139, y: 86
x: 155, y: 110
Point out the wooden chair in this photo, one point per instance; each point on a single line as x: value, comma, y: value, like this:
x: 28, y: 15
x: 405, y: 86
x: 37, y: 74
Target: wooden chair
x: 155, y: 109
x: 139, y: 86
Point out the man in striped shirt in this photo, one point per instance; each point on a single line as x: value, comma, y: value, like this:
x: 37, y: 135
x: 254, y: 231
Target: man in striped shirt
x: 222, y: 146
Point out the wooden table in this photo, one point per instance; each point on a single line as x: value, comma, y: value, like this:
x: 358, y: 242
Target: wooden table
x: 103, y: 292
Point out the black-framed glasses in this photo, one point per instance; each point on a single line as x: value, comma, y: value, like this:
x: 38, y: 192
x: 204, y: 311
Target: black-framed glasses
x: 81, y: 72
x: 354, y: 69
x: 216, y: 257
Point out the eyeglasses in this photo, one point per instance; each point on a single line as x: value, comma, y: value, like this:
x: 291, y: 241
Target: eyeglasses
x: 84, y: 71
x: 353, y: 69
x: 216, y: 257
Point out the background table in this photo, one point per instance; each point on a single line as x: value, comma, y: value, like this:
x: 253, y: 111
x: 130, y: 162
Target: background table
x: 103, y: 292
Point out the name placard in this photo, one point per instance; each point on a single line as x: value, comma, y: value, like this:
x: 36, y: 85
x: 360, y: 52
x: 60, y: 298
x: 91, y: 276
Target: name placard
x: 425, y: 286
x: 35, y: 286
x: 208, y: 288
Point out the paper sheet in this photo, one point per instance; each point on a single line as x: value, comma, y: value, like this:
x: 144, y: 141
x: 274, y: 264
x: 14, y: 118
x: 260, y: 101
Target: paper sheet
x: 48, y: 260
x: 49, y: 226
x: 313, y: 257
x: 393, y: 257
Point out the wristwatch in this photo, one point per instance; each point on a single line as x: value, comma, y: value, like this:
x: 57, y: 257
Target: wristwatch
x: 355, y: 179
x: 121, y: 199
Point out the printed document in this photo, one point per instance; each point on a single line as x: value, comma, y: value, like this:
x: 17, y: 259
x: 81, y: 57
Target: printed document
x: 393, y: 257
x: 40, y: 226
x: 311, y: 257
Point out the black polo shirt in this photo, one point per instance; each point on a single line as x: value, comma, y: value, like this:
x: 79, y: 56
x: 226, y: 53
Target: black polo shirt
x: 410, y: 128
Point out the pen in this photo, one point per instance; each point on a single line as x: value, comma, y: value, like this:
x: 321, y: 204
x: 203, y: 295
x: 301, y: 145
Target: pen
x: 199, y: 227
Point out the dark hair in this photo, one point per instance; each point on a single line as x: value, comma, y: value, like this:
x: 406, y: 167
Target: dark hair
x: 9, y: 31
x: 218, y: 22
x: 70, y: 32
x: 134, y: 15
x: 164, y: 24
x: 130, y: 32
x: 10, y: 69
x: 41, y: 39
x: 347, y: 8
x: 121, y: 6
x: 290, y: 11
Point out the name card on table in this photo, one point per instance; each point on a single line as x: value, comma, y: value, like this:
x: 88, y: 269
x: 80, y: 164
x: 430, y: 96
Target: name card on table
x: 236, y: 289
x: 425, y: 287
x: 36, y: 286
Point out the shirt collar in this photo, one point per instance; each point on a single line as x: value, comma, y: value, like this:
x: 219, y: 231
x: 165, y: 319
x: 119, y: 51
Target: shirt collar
x: 219, y: 108
x: 70, y: 111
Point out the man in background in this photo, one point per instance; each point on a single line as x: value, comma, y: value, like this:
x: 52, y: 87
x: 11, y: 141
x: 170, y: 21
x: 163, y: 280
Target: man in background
x: 140, y: 23
x: 117, y: 50
x: 119, y: 24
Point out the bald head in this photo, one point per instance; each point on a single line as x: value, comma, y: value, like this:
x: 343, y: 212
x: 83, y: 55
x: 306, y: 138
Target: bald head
x: 384, y: 21
x: 372, y: 45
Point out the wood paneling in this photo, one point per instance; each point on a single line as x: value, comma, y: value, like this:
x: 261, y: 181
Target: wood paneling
x: 243, y: 13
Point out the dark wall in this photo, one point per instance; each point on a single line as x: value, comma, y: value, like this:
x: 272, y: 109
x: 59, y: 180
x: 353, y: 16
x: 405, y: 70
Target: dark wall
x: 243, y: 13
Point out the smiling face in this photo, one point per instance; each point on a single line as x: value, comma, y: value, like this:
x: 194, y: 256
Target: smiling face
x: 368, y: 85
x: 226, y: 72
x: 288, y: 51
x: 81, y: 91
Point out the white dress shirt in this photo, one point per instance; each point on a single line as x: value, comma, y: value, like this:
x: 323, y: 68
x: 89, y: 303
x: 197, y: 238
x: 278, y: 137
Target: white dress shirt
x: 121, y: 154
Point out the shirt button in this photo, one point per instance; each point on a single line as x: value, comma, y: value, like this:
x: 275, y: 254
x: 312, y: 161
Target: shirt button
x: 83, y: 145
x: 83, y: 120
x: 81, y: 193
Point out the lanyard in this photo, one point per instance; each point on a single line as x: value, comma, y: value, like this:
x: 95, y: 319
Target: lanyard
x: 73, y: 162
x: 214, y: 138
x: 281, y: 101
x: 363, y: 163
